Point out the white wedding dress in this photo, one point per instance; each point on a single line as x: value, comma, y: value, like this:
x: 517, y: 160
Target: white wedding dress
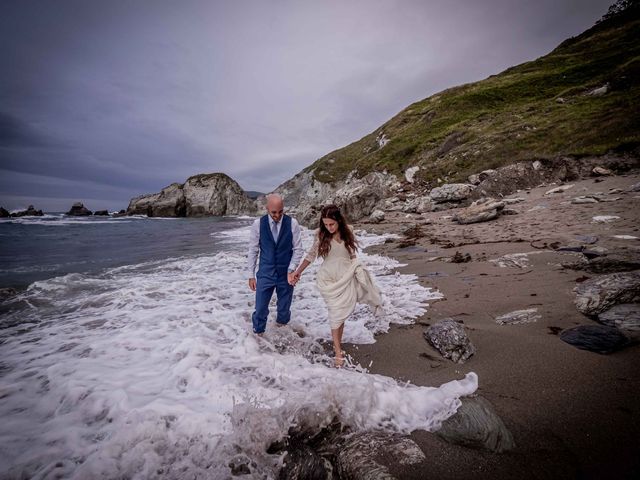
x: 343, y: 282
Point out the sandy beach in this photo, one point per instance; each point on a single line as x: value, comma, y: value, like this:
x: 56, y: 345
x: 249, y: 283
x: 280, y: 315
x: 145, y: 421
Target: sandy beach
x: 573, y: 413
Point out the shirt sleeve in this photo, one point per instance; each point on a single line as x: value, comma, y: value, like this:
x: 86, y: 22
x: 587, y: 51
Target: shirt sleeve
x: 297, y: 245
x: 312, y: 254
x: 254, y: 248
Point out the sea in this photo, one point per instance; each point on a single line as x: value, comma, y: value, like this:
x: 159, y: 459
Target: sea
x: 128, y: 352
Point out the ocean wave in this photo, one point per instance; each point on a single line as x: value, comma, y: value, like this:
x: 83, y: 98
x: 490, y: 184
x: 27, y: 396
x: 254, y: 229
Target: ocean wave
x: 154, y: 368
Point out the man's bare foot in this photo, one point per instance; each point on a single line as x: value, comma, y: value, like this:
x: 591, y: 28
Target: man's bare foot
x: 259, y: 334
x: 339, y: 360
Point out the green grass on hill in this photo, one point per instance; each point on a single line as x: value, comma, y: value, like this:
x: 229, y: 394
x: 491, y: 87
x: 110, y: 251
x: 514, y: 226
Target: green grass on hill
x: 539, y: 109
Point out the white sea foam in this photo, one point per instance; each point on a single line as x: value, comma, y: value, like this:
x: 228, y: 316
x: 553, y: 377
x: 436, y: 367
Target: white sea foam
x: 152, y: 370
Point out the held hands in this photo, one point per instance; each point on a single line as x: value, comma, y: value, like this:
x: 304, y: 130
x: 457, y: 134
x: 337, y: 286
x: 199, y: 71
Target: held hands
x: 293, y: 278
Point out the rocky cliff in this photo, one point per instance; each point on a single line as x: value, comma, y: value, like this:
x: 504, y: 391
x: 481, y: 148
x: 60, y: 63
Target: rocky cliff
x: 577, y: 103
x: 212, y: 194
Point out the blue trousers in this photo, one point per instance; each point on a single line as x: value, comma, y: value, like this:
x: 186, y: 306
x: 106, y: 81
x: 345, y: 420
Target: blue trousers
x: 264, y: 291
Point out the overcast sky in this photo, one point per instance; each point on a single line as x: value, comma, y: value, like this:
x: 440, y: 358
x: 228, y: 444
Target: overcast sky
x: 101, y: 101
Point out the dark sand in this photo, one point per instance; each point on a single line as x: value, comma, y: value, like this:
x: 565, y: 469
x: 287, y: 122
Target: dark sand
x: 573, y: 413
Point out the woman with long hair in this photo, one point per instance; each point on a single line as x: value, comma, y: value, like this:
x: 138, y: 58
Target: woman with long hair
x: 342, y: 279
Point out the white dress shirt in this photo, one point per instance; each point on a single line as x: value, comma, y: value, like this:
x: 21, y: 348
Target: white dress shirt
x: 254, y: 244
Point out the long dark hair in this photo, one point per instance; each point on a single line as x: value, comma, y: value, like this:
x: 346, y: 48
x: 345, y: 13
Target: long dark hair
x: 346, y: 235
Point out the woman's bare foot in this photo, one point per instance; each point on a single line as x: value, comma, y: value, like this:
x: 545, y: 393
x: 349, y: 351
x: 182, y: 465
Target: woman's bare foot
x: 339, y: 359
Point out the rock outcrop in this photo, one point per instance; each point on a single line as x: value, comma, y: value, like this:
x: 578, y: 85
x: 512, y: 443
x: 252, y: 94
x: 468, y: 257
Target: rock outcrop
x: 29, y: 212
x: 79, y: 210
x: 213, y: 194
x: 357, y: 197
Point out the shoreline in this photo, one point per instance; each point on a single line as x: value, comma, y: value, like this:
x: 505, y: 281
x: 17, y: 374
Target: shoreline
x: 572, y: 412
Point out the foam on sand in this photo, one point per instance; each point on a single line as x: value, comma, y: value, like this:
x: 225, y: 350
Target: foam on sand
x: 152, y: 370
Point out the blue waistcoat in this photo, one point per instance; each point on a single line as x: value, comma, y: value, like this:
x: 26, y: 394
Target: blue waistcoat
x: 275, y: 257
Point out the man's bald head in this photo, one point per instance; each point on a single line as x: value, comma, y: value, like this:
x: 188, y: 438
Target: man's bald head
x: 275, y: 206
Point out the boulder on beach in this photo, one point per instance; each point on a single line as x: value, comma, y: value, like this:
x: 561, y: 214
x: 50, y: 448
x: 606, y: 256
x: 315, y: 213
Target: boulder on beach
x: 451, y: 192
x: 477, y: 425
x: 79, y: 210
x: 595, y: 338
x: 625, y: 316
x: 479, y: 212
x: 450, y: 339
x: 599, y: 294
x: 368, y: 456
x: 376, y: 216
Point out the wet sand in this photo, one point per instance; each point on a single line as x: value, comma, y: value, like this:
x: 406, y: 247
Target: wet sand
x: 573, y: 413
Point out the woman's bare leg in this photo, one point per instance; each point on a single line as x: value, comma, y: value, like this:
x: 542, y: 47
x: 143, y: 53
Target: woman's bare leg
x: 336, y: 334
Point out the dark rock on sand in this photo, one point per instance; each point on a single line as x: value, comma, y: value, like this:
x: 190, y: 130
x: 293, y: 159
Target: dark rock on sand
x: 595, y: 338
x: 368, y: 456
x: 78, y: 210
x: 29, y: 212
x: 450, y: 339
x: 476, y: 424
x: 599, y: 294
x: 625, y: 316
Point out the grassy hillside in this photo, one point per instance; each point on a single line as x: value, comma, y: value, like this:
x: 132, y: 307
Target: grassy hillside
x: 539, y: 109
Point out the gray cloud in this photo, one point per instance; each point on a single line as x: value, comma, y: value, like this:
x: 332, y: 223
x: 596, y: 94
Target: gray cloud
x: 123, y: 98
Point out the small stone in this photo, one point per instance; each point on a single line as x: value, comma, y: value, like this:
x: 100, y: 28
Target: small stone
x: 519, y: 316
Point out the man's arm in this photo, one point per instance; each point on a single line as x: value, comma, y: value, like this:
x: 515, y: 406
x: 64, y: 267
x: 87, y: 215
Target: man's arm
x: 296, y: 231
x: 252, y: 254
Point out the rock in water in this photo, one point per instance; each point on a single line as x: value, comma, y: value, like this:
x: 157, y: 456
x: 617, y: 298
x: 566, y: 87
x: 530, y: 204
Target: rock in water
x: 4, y: 213
x: 451, y: 192
x: 599, y: 294
x: 78, y: 209
x: 366, y: 456
x: 450, y: 339
x: 476, y: 424
x: 479, y: 213
x: 303, y: 463
x: 29, y: 212
x: 213, y: 194
x: 103, y: 213
x: 625, y: 316
x: 595, y: 338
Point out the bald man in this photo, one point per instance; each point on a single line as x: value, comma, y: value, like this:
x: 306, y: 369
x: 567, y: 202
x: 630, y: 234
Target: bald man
x: 276, y: 239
